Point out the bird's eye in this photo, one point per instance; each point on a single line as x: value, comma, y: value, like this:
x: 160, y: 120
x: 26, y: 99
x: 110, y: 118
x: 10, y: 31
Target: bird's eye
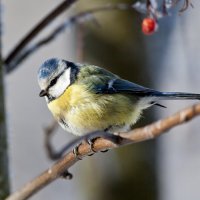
x: 53, y: 82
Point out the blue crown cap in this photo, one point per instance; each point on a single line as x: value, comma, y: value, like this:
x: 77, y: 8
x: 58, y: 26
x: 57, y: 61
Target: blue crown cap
x: 48, y: 68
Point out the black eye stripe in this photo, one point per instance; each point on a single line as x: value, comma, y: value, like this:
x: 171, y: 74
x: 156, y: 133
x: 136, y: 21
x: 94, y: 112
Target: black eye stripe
x: 54, y: 81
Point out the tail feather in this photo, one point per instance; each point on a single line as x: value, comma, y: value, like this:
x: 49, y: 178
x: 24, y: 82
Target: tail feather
x: 176, y: 95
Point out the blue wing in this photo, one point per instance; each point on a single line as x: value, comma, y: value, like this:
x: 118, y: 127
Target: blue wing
x: 117, y: 85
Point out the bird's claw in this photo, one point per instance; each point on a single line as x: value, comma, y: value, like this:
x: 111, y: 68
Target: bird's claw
x: 91, y: 143
x: 104, y: 151
x: 76, y: 153
x: 92, y: 150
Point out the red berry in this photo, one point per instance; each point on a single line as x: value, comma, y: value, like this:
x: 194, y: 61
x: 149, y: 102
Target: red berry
x: 149, y: 26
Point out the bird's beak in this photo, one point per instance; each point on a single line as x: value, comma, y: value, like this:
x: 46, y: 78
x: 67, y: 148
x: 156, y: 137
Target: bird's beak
x: 43, y: 93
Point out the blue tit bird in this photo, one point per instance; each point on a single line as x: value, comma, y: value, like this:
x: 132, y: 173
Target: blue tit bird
x: 85, y: 98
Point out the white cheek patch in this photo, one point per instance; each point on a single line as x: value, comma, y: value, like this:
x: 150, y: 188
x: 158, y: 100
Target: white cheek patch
x: 62, y: 83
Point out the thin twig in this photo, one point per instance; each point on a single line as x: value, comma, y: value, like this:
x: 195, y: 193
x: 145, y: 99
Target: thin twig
x: 40, y: 26
x: 185, y: 6
x: 141, y: 134
x: 25, y: 49
x: 77, y: 18
x: 49, y: 131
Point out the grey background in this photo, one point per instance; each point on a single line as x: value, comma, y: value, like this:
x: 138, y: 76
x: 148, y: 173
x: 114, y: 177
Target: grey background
x: 27, y: 112
x: 174, y: 65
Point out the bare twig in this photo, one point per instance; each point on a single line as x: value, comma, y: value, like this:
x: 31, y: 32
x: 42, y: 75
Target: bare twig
x: 40, y: 26
x: 185, y: 6
x: 25, y: 49
x: 141, y: 134
x: 20, y: 55
x: 49, y: 131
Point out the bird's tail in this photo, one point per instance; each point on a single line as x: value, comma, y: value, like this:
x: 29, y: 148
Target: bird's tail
x: 176, y: 95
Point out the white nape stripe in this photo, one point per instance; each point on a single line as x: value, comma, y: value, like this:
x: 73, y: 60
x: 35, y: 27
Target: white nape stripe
x: 62, y: 83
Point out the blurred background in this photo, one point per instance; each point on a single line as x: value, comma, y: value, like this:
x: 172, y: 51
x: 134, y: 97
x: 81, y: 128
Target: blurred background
x: 163, y: 169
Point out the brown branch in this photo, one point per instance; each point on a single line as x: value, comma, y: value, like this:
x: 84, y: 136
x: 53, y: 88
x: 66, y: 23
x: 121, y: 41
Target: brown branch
x: 141, y: 134
x: 40, y: 26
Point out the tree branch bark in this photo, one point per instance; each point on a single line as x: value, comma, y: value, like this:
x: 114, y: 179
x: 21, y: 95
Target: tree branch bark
x: 137, y: 135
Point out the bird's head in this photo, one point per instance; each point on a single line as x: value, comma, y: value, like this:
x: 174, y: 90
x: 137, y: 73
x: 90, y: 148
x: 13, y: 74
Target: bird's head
x: 55, y: 76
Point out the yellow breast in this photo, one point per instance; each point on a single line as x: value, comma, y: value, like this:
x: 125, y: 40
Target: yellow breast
x: 85, y: 112
x: 63, y: 104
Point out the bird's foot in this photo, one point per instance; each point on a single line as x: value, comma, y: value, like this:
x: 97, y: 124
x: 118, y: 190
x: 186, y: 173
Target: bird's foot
x: 92, y: 150
x: 91, y: 143
x: 76, y: 153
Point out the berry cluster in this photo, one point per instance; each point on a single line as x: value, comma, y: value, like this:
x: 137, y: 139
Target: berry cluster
x: 155, y: 12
